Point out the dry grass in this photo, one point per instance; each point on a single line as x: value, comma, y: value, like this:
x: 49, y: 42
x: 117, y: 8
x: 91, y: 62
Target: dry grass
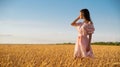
x: 56, y: 56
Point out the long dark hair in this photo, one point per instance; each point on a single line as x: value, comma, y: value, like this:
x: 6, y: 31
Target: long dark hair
x: 86, y: 14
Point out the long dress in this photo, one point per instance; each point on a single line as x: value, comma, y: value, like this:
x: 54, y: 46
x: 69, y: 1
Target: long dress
x: 82, y: 40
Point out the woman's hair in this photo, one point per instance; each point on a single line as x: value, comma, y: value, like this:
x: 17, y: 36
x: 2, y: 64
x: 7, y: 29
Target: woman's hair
x: 86, y: 14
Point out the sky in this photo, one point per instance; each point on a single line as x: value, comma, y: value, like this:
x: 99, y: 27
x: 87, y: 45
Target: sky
x: 48, y: 21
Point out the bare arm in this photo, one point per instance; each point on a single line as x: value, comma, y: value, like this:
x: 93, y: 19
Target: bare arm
x: 90, y: 37
x: 74, y: 22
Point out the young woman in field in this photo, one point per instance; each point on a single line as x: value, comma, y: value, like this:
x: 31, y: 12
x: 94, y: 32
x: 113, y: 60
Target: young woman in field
x: 85, y: 31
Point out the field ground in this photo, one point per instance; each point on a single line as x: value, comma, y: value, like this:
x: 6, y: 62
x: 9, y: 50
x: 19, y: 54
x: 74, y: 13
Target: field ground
x: 56, y: 56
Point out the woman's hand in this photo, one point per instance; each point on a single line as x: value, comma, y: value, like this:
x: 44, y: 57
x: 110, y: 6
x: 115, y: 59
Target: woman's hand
x: 78, y: 17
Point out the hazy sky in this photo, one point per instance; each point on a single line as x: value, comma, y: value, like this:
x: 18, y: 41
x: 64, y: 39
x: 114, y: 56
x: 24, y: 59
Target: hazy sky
x: 48, y: 21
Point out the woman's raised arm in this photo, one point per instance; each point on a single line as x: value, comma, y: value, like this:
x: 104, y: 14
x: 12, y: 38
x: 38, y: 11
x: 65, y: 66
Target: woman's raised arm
x: 74, y: 22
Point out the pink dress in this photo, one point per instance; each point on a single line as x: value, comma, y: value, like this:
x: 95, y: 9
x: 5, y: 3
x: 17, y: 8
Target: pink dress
x: 82, y: 40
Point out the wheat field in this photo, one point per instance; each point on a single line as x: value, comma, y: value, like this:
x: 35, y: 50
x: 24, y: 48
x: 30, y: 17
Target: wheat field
x: 56, y: 56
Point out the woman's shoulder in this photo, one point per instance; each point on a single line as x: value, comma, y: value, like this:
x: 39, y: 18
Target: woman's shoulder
x: 89, y: 25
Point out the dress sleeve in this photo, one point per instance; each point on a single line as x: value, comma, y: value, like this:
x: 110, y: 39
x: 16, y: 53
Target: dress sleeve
x: 90, y: 29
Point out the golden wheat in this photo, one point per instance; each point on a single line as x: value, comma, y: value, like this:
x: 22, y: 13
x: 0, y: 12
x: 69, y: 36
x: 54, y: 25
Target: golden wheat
x: 56, y: 56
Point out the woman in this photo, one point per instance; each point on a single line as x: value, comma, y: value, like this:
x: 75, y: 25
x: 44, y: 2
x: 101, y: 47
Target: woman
x: 85, y: 31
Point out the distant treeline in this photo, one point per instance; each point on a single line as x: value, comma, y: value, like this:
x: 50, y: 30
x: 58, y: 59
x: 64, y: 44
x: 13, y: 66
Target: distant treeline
x: 106, y: 43
x: 94, y: 43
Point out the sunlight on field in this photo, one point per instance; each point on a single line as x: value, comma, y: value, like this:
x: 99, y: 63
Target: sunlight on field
x: 56, y: 56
